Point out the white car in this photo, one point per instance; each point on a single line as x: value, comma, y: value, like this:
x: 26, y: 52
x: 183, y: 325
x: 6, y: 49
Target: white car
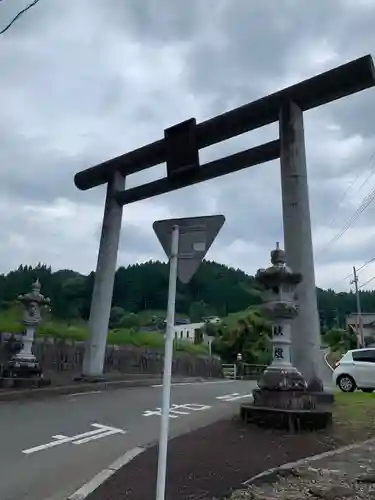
x: 356, y: 370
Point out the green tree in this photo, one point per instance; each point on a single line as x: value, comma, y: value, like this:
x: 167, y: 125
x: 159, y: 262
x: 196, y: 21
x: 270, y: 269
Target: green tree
x: 214, y: 289
x: 117, y: 313
x: 197, y: 311
x: 210, y: 329
x: 130, y: 320
x: 250, y: 337
x: 339, y: 339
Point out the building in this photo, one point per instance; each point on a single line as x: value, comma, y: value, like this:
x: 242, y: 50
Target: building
x: 368, y: 320
x: 186, y: 331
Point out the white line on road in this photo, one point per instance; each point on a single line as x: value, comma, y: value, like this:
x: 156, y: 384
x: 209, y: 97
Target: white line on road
x: 198, y: 383
x: 100, y: 432
x: 75, y: 394
x: 233, y: 397
x: 102, y: 476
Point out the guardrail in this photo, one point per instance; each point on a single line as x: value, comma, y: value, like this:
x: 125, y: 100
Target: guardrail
x: 230, y: 371
x: 244, y: 371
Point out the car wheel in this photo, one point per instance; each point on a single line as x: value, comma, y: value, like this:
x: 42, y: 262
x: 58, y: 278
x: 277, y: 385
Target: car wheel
x: 367, y: 390
x: 346, y: 383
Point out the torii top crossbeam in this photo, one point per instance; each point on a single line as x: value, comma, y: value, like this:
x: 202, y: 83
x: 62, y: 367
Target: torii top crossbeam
x: 334, y: 84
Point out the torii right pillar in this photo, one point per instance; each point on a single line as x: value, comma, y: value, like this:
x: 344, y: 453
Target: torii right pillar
x: 298, y: 243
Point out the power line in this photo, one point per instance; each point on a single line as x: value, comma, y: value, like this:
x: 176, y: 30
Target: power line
x: 364, y: 204
x: 366, y: 264
x: 345, y: 195
x: 17, y: 16
x: 353, y: 183
x: 367, y: 282
x: 350, y: 274
x: 370, y: 174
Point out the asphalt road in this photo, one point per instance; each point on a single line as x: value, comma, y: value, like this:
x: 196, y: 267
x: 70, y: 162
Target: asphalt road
x: 49, y: 448
x: 40, y: 459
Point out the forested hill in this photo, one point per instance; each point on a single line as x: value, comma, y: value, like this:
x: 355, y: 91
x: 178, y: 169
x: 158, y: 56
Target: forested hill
x: 139, y: 287
x: 214, y: 290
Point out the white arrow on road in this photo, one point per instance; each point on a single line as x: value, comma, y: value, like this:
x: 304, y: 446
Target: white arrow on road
x: 101, y: 431
x: 234, y: 396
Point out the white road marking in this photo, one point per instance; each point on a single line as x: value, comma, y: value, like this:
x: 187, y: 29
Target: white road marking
x: 87, y: 393
x: 94, y: 483
x: 195, y: 407
x: 233, y: 397
x: 198, y: 383
x: 177, y: 410
x: 97, y: 436
x: 101, y: 431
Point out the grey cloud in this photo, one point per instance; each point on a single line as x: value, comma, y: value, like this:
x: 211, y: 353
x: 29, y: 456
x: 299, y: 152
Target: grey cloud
x: 82, y: 82
x: 137, y: 240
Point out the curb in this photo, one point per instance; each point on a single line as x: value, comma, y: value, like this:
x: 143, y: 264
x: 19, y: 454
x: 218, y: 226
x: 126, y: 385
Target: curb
x: 86, y: 387
x: 94, y: 483
x: 271, y: 475
x: 325, y: 359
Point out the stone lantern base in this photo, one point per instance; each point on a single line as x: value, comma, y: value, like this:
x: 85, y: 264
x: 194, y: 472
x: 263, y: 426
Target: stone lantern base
x: 291, y: 419
x: 292, y: 410
x: 283, y: 401
x: 282, y: 379
x: 23, y: 372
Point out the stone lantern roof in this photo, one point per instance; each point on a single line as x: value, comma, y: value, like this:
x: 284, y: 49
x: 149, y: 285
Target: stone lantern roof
x: 279, y: 273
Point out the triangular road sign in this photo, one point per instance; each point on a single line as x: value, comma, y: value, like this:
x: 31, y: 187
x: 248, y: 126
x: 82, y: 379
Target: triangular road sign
x: 196, y: 235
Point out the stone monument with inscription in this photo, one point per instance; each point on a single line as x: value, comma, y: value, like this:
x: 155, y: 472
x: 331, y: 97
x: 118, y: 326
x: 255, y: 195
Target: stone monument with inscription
x: 282, y: 398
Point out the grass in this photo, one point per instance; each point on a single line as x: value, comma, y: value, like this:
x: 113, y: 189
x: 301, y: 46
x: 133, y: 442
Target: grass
x: 354, y: 415
x: 78, y: 332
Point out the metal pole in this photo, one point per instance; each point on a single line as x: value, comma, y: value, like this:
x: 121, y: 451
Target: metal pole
x: 359, y: 311
x: 167, y: 375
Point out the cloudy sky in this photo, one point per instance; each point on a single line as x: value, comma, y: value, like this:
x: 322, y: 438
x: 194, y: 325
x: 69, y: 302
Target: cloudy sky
x: 82, y: 81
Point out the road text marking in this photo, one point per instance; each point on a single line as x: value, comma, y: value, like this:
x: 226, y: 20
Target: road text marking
x: 101, y: 431
x: 233, y: 397
x: 177, y: 410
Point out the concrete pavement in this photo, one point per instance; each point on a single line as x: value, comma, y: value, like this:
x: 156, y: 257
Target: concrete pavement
x: 49, y: 448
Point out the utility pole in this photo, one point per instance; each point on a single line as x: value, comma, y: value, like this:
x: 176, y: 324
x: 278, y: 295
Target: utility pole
x: 337, y: 318
x: 359, y: 312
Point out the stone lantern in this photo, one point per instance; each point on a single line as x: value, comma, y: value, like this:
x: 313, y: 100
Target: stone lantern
x: 279, y: 285
x: 24, y: 364
x: 282, y: 399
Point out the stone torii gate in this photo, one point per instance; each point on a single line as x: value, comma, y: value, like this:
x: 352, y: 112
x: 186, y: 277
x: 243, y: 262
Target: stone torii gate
x: 180, y: 150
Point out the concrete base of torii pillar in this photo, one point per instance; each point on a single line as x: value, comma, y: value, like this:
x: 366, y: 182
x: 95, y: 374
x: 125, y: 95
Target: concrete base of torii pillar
x: 298, y: 243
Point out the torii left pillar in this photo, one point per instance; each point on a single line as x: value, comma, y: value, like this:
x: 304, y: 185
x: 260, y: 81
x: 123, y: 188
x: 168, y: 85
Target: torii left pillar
x: 298, y: 241
x: 101, y: 300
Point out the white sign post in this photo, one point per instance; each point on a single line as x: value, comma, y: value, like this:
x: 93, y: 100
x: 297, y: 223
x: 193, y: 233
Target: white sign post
x: 186, y: 242
x: 167, y: 374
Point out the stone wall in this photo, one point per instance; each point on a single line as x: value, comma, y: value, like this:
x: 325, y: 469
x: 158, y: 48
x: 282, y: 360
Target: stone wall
x: 65, y: 358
